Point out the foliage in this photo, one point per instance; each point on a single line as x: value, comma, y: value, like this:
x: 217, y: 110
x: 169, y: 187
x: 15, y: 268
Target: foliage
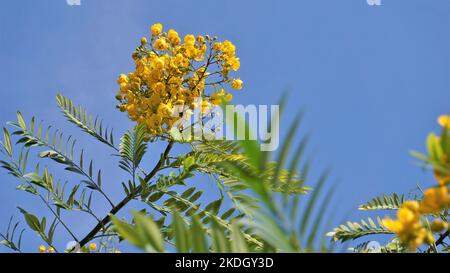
x: 258, y: 207
x: 248, y: 225
x: 422, y: 220
x: 268, y: 226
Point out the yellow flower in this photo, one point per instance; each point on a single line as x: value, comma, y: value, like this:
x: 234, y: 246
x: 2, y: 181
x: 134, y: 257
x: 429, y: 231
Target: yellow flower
x: 158, y: 87
x: 408, y: 225
x: 168, y: 73
x: 160, y: 44
x: 228, y: 97
x: 51, y: 250
x: 237, y: 84
x: 435, y: 200
x: 41, y: 248
x: 180, y: 61
x: 438, y: 225
x: 217, y: 46
x: 200, y: 39
x: 165, y: 110
x: 117, y: 251
x: 156, y: 29
x: 444, y: 121
x: 216, y: 98
x: 205, y: 106
x: 235, y: 63
x: 174, y: 39
x: 92, y: 246
x: 189, y: 39
x: 228, y: 48
x: 123, y: 79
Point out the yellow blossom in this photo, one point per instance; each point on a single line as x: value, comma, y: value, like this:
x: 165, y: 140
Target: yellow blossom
x: 144, y: 41
x: 438, y: 225
x: 92, y: 246
x: 160, y: 44
x: 237, y: 84
x: 234, y: 63
x: 217, y: 46
x: 156, y: 29
x: 42, y: 249
x: 168, y: 73
x: 444, y: 121
x: 189, y: 39
x: 408, y: 225
x: 435, y: 200
x: 158, y: 87
x: 228, y: 97
x: 123, y: 79
x: 173, y: 37
x: 200, y: 39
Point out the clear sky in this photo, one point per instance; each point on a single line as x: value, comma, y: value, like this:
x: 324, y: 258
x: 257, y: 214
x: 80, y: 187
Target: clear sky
x: 373, y: 79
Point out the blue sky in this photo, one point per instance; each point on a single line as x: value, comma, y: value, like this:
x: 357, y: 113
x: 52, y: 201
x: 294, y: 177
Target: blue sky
x: 372, y: 79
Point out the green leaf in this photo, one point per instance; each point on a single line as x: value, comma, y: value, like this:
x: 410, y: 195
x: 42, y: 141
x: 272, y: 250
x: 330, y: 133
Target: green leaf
x: 198, y: 236
x: 7, y: 141
x: 27, y: 188
x: 384, y: 202
x: 126, y: 231
x: 238, y: 244
x: 219, y: 241
x: 181, y: 235
x: 354, y: 230
x: 34, y: 177
x: 33, y: 222
x: 149, y: 233
x: 188, y: 162
x: 21, y: 121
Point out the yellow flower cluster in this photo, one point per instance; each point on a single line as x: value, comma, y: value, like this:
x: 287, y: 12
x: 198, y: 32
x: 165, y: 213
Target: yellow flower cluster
x: 408, y: 225
x: 435, y: 200
x: 171, y: 72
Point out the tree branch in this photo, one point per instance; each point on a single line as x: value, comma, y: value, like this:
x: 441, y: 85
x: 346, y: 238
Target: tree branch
x: 127, y: 199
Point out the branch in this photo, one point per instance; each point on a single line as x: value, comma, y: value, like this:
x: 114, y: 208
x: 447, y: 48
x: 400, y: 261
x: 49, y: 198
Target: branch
x: 127, y: 199
x: 441, y: 239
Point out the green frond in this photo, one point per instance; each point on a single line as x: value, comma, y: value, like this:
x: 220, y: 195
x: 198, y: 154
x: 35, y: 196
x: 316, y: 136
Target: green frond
x: 219, y: 147
x: 83, y: 120
x: 354, y: 230
x: 287, y: 182
x: 384, y: 202
x: 186, y: 204
x: 132, y: 149
x: 60, y: 150
x: 145, y: 234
